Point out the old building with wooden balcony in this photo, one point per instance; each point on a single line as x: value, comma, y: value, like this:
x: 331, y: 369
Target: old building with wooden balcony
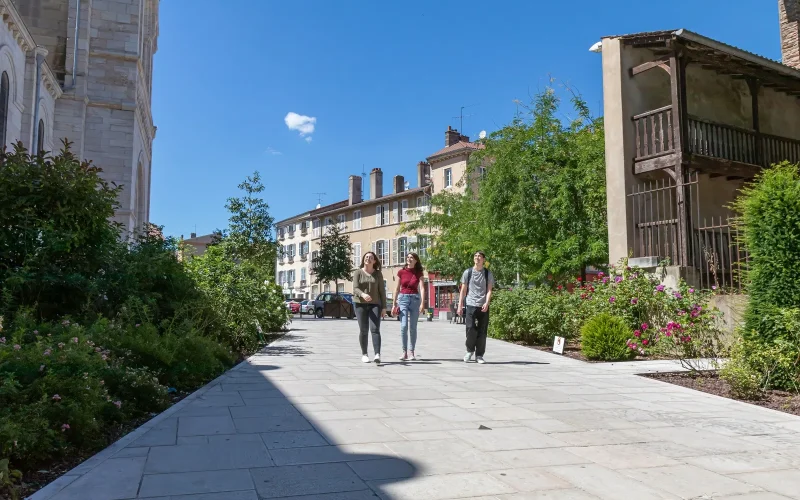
x: 689, y: 120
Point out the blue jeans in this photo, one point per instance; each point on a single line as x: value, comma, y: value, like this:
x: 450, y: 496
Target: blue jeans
x: 409, y: 315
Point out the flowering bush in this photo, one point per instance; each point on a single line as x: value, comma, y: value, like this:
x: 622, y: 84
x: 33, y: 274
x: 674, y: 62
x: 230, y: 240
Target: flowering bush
x: 532, y: 315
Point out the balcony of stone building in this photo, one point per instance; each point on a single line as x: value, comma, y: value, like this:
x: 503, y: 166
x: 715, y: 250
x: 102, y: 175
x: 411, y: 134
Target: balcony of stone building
x: 303, y: 257
x: 303, y: 230
x: 290, y: 235
x: 281, y: 236
x: 290, y: 259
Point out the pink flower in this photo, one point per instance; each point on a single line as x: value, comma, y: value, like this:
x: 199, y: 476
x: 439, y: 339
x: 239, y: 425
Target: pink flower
x: 75, y: 340
x: 713, y: 287
x: 634, y: 301
x: 691, y: 290
x: 56, y: 397
x: 637, y: 333
x: 64, y: 427
x: 17, y: 347
x: 678, y: 295
x: 618, y: 279
x: 669, y: 333
x: 47, y: 352
x: 645, y: 326
x: 660, y: 288
x: 118, y: 404
x: 634, y: 346
x: 612, y: 299
x: 600, y: 274
x: 644, y: 341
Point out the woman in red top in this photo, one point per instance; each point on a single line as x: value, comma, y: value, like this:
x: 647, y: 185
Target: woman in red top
x: 409, y: 302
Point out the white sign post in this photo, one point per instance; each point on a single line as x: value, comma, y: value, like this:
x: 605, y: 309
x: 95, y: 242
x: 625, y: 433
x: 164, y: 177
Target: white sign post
x: 558, y: 345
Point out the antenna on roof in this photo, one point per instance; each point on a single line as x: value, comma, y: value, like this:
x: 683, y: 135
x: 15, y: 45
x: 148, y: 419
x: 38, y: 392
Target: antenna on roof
x: 461, y: 118
x: 363, y: 171
x: 319, y: 197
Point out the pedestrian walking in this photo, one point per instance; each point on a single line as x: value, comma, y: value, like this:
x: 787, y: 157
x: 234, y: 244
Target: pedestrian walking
x: 369, y: 296
x: 409, y: 303
x: 476, y: 287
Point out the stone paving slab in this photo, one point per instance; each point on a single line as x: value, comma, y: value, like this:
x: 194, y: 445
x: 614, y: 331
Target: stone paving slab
x: 307, y: 419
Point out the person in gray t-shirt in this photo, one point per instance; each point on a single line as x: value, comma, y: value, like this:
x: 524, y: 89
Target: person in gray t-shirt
x: 476, y: 286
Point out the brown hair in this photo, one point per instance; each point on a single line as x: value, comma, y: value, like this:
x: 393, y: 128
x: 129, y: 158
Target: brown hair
x: 377, y: 264
x: 418, y: 266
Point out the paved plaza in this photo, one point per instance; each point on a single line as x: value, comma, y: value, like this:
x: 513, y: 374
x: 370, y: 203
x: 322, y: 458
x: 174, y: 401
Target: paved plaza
x: 307, y: 419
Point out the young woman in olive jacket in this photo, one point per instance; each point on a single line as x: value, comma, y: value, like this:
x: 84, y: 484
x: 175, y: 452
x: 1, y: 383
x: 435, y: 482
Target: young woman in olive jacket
x: 369, y: 296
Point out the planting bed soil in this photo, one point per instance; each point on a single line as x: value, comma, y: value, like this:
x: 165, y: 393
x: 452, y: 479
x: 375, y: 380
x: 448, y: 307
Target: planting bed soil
x: 712, y: 384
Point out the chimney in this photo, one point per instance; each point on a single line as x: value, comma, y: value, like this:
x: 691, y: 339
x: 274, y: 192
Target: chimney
x: 355, y: 189
x: 451, y: 136
x: 399, y: 184
x: 375, y: 183
x: 193, y: 235
x: 789, y: 15
x: 423, y: 174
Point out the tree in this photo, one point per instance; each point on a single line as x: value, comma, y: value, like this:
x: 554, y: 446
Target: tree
x: 334, y: 261
x: 249, y: 235
x: 540, y: 210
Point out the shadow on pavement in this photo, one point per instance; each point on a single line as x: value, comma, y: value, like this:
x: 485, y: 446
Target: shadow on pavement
x: 247, y: 437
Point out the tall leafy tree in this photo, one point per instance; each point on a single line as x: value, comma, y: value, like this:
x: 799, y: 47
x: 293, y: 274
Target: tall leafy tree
x: 334, y: 260
x: 540, y: 210
x: 249, y: 235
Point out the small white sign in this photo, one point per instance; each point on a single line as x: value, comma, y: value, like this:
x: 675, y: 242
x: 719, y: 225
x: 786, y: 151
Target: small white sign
x: 558, y: 345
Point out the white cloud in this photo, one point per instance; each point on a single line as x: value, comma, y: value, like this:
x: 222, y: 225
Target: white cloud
x: 302, y: 123
x: 273, y: 151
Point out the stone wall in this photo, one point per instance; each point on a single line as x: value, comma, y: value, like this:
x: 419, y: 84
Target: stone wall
x: 789, y: 16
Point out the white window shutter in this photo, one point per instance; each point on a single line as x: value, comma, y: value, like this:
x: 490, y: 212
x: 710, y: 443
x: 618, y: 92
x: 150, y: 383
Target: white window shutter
x: 374, y: 247
x: 378, y: 215
x: 404, y: 213
x: 395, y: 255
x: 394, y: 212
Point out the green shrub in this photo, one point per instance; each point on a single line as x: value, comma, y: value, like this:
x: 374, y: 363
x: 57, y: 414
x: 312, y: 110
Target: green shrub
x: 769, y: 223
x: 606, y: 338
x: 534, y: 316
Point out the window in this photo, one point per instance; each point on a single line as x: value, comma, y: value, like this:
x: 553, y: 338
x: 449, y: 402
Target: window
x: 482, y: 172
x: 5, y: 93
x: 303, y: 248
x: 341, y: 219
x: 381, y: 249
x: 448, y: 177
x: 404, y: 211
x: 290, y: 279
x: 394, y: 212
x: 423, y: 241
x: 356, y: 255
x: 340, y: 288
x: 327, y: 287
x: 328, y: 222
x: 356, y: 220
x: 316, y: 228
x: 281, y: 277
x: 402, y: 249
x: 303, y: 274
x: 382, y: 215
x: 422, y: 203
x: 40, y: 137
x: 290, y: 251
x: 314, y: 256
x: 303, y: 227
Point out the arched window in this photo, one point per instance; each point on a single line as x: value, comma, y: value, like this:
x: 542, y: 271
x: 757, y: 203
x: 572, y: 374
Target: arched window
x: 40, y: 138
x: 4, y: 97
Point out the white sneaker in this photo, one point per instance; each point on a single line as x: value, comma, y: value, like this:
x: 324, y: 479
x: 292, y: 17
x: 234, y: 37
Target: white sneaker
x: 365, y: 358
x: 403, y: 357
x: 412, y: 357
x: 468, y: 357
x: 480, y: 360
x: 377, y: 358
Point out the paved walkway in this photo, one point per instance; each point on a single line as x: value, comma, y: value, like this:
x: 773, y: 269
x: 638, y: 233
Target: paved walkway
x: 307, y: 419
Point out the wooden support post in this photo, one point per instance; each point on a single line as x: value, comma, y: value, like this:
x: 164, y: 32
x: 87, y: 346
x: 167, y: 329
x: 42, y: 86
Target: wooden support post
x: 754, y: 86
x: 679, y: 114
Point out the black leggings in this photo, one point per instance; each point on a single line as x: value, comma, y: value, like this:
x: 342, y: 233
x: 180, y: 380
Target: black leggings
x: 369, y: 318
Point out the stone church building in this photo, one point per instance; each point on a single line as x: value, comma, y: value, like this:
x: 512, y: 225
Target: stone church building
x: 95, y: 93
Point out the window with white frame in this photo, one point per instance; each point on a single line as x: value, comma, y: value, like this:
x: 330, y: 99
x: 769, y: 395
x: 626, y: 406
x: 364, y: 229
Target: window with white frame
x: 327, y: 287
x: 402, y: 249
x: 340, y: 288
x: 328, y: 223
x: 404, y: 211
x: 448, y: 177
x: 382, y: 214
x: 281, y: 277
x: 423, y: 241
x: 290, y: 229
x: 303, y: 248
x: 356, y: 255
x: 290, y: 278
x: 356, y: 220
x: 315, y: 225
x: 341, y: 219
x: 422, y: 203
x: 394, y: 211
x: 303, y: 274
x: 381, y: 249
x: 290, y: 250
x: 314, y: 256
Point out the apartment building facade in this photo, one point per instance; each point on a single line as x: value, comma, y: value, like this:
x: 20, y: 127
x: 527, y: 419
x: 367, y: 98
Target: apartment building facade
x: 373, y: 223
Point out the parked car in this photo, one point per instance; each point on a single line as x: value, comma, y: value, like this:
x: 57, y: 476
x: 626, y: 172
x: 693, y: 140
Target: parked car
x: 293, y: 306
x: 307, y: 307
x: 319, y: 303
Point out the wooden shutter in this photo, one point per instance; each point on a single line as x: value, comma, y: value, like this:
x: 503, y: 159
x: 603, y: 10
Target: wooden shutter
x: 378, y: 215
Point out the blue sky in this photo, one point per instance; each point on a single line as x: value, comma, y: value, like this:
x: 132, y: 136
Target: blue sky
x: 382, y: 79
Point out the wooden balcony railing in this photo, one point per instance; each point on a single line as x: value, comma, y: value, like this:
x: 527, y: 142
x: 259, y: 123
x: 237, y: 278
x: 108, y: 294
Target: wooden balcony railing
x: 654, y: 138
x: 654, y: 133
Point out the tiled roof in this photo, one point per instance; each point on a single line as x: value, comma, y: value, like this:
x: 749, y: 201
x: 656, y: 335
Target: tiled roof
x: 455, y: 148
